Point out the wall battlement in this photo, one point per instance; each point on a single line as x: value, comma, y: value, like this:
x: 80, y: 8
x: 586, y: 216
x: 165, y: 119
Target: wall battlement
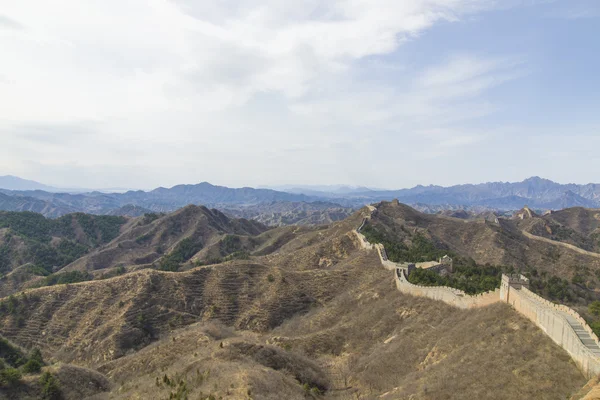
x: 561, y: 323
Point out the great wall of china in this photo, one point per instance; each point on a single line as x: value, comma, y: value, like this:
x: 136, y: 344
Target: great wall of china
x: 561, y: 323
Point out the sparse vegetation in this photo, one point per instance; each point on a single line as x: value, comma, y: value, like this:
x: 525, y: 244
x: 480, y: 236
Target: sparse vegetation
x: 552, y: 287
x: 470, y: 278
x: 337, y: 329
x: 50, y: 244
x: 421, y: 249
x: 230, y: 244
x: 9, y: 377
x: 11, y: 354
x: 32, y: 367
x: 183, y: 251
x: 467, y: 275
x: 150, y: 217
x: 50, y: 386
x: 63, y: 278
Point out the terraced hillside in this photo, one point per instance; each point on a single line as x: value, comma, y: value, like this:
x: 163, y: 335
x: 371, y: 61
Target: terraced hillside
x: 306, y: 313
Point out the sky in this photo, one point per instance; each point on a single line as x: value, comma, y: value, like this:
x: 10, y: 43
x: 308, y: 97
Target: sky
x: 377, y: 93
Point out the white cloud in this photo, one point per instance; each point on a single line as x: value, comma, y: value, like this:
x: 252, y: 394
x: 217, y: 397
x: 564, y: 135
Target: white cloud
x: 186, y: 86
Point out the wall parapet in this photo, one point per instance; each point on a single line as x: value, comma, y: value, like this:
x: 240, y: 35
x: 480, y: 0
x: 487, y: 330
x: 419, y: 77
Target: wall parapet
x: 565, y: 309
x: 550, y: 318
x: 449, y: 295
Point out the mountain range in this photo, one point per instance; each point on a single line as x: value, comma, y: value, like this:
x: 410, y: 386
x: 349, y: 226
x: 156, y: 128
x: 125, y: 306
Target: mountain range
x: 536, y: 192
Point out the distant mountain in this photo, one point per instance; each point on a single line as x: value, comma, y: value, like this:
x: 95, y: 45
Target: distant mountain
x: 129, y: 211
x: 24, y: 203
x: 9, y: 182
x: 326, y: 191
x: 292, y: 213
x: 157, y: 200
x: 537, y: 193
x: 15, y: 183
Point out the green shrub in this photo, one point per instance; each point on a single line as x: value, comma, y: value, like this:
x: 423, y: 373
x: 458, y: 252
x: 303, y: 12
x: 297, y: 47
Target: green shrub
x: 150, y: 217
x: 10, y: 376
x: 230, y: 244
x: 32, y: 366
x: 11, y: 354
x: 36, y: 354
x: 594, y: 308
x: 421, y: 248
x: 471, y: 278
x: 183, y: 251
x: 50, y: 386
x: 63, y: 278
x: 595, y: 327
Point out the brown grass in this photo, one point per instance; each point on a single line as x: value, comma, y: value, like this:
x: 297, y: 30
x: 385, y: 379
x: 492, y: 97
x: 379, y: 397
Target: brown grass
x: 313, y: 311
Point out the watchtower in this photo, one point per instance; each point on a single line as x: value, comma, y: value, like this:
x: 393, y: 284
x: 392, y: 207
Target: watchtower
x: 512, y: 282
x: 447, y: 262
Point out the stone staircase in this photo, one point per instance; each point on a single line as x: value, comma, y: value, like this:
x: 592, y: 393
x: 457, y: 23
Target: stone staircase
x: 582, y: 333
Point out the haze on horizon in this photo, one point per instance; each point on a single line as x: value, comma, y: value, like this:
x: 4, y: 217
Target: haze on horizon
x: 378, y: 93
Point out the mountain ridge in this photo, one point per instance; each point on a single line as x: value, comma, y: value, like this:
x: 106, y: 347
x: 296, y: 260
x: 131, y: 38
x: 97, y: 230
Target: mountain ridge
x: 538, y: 193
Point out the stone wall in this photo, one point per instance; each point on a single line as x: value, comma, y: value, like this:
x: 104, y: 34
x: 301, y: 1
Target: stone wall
x: 448, y: 295
x: 562, y: 244
x: 550, y: 317
x: 364, y: 243
x: 547, y: 317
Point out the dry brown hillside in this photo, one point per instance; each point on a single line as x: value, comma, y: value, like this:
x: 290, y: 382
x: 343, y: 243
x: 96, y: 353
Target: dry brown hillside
x: 308, y: 315
x: 577, y: 226
x: 194, y: 230
x: 500, y: 243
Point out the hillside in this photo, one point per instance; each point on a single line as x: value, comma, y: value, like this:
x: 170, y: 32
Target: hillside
x: 577, y: 226
x: 129, y: 211
x: 558, y: 272
x: 193, y: 234
x: 33, y: 247
x: 292, y: 213
x: 308, y: 312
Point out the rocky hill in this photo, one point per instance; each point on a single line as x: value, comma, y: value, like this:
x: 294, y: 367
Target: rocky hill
x: 307, y: 313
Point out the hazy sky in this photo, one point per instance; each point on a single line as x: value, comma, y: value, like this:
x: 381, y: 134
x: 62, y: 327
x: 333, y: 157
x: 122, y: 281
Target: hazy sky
x: 382, y: 93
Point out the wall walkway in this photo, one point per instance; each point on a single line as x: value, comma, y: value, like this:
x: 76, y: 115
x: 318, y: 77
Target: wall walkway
x: 557, y: 243
x: 563, y: 325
